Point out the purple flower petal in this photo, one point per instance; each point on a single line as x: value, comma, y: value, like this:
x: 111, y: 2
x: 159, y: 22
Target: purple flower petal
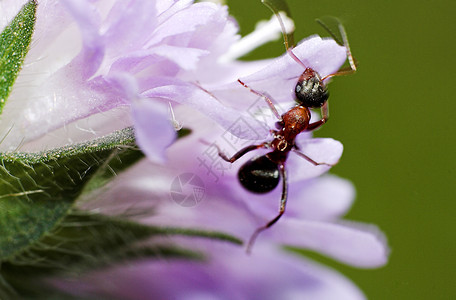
x: 183, y: 24
x: 126, y: 24
x: 323, y: 198
x: 195, y: 97
x: 352, y: 243
x: 167, y: 8
x: 323, y: 55
x: 89, y: 59
x: 154, y: 131
x: 321, y: 150
x: 153, y: 128
x: 186, y: 58
x: 228, y: 274
x: 279, y: 78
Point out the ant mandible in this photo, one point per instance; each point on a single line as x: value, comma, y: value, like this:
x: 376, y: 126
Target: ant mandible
x: 262, y: 174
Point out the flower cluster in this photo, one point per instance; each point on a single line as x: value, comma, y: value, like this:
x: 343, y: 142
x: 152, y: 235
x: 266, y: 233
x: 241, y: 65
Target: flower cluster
x: 97, y: 66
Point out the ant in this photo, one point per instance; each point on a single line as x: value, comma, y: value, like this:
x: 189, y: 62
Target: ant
x: 262, y: 174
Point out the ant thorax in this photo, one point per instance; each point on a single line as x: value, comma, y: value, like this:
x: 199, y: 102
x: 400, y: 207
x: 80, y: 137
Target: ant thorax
x: 293, y: 123
x: 310, y: 90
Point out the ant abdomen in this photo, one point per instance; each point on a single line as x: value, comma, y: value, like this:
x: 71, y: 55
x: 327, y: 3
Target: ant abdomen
x: 259, y: 175
x: 310, y: 90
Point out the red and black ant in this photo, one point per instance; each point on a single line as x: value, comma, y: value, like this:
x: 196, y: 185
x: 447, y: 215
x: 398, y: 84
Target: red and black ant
x: 262, y: 174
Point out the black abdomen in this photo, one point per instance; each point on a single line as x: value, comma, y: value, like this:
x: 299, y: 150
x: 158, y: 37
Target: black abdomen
x: 259, y: 175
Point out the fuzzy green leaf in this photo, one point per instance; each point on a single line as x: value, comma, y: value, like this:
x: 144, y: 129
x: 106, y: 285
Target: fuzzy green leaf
x: 84, y: 242
x: 38, y: 189
x: 118, y: 161
x: 14, y: 44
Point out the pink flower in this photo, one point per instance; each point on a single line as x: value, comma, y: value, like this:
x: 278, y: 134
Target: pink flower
x: 104, y: 65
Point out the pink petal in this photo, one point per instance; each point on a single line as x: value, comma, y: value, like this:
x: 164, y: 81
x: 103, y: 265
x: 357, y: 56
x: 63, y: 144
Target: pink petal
x: 323, y: 55
x: 89, y: 59
x: 355, y: 244
x: 183, y: 24
x: 280, y: 77
x: 321, y: 150
x: 130, y: 24
x: 227, y: 274
x: 186, y: 58
x: 153, y: 128
x: 167, y: 8
x: 323, y: 198
x: 239, y: 123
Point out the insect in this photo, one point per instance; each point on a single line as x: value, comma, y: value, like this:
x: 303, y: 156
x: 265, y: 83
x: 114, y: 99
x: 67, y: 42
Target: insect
x: 262, y: 174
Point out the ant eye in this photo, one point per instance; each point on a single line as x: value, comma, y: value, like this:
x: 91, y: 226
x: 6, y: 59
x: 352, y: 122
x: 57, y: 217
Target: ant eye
x: 259, y: 175
x: 311, y: 92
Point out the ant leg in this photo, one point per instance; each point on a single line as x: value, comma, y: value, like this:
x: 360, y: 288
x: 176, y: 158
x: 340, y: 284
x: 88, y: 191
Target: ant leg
x: 325, y: 114
x: 283, y: 203
x: 310, y: 159
x: 266, y: 98
x: 240, y: 153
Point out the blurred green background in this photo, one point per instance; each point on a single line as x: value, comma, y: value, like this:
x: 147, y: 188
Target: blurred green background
x: 395, y: 118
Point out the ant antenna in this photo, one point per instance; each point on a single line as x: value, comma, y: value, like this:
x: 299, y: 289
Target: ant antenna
x: 351, y: 60
x: 344, y: 42
x: 287, y: 38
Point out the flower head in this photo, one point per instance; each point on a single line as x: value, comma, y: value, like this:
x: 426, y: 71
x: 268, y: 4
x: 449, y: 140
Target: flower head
x: 112, y: 64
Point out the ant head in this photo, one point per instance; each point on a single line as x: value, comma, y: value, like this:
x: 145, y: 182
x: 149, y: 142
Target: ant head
x: 310, y: 90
